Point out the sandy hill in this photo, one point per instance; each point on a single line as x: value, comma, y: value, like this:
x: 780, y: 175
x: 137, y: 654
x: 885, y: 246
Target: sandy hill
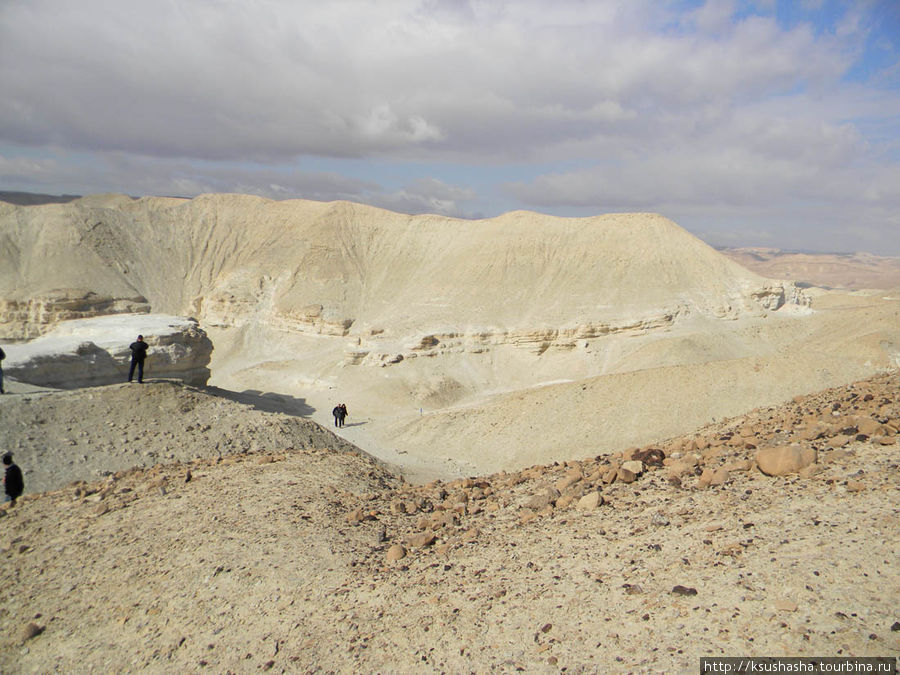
x: 316, y: 560
x: 337, y: 267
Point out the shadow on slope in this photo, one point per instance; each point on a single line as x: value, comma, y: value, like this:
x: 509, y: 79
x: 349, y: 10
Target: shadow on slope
x: 265, y: 401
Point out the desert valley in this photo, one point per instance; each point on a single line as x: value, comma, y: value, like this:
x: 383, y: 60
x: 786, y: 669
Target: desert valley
x: 573, y: 444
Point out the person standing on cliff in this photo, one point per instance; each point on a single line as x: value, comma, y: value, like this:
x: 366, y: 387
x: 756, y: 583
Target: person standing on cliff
x: 138, y: 354
x: 2, y: 356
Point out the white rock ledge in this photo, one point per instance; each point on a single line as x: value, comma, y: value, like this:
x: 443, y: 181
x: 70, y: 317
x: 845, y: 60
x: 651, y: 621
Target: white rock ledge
x: 89, y: 352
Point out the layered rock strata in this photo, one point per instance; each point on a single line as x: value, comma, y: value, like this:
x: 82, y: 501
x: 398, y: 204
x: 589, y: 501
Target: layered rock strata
x: 94, y: 351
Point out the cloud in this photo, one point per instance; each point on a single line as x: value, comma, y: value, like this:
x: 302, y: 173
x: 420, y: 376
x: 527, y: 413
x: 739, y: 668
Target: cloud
x: 277, y: 79
x: 427, y: 195
x: 568, y: 105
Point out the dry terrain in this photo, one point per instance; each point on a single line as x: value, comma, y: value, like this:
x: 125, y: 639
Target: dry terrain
x: 574, y: 445
x: 851, y: 271
x: 320, y: 560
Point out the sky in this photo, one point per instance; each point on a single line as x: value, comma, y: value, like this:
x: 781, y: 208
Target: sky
x: 749, y: 123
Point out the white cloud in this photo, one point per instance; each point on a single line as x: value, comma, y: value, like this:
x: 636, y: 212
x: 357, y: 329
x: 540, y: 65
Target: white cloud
x: 279, y: 79
x: 657, y: 107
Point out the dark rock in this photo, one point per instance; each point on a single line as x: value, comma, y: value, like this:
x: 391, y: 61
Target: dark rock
x: 31, y: 630
x: 650, y: 456
x: 684, y: 590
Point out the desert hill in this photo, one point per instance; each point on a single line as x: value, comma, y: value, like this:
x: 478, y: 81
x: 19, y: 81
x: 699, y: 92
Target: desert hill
x: 320, y: 560
x: 342, y: 268
x: 461, y: 347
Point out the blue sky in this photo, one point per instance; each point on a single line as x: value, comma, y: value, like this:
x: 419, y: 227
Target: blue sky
x: 748, y: 123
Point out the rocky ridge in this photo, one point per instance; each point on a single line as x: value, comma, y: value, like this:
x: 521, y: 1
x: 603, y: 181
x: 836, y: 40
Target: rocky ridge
x: 340, y: 268
x: 92, y: 351
x: 317, y: 560
x: 131, y: 426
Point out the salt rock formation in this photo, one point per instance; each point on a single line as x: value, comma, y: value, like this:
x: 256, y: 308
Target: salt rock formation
x: 412, y: 283
x: 94, y: 351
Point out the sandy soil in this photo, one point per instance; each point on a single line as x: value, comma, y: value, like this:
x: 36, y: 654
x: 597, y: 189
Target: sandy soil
x: 284, y: 561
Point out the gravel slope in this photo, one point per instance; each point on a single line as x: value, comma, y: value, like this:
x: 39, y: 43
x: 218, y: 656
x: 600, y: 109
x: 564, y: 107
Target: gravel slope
x: 290, y: 561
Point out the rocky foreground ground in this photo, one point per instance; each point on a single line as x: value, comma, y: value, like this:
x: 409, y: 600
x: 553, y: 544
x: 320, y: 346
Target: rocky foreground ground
x: 775, y: 533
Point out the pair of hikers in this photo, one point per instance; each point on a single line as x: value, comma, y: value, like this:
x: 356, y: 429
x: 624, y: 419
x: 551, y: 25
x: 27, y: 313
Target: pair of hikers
x: 340, y: 413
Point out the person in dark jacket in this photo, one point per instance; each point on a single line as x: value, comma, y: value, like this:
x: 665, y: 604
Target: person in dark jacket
x: 13, y: 483
x: 340, y: 413
x: 138, y: 354
x: 2, y: 356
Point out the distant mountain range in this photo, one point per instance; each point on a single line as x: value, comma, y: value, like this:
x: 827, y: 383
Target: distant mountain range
x: 34, y: 198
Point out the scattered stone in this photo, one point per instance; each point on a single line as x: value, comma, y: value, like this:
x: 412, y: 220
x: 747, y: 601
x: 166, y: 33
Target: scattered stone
x: 679, y: 469
x: 809, y: 471
x: 683, y: 590
x: 868, y: 426
x: 626, y: 475
x: 356, y: 516
x: 569, y: 480
x: 855, y: 486
x: 780, y: 461
x: 635, y: 466
x: 632, y: 589
x: 709, y: 477
x: 567, y: 499
x: 741, y: 465
x: 420, y: 539
x: 395, y: 553
x: 590, y: 501
x: 540, y: 501
x: 650, y: 457
x: 31, y: 630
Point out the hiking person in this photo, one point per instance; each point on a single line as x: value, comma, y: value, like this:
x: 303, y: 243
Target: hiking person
x: 336, y: 411
x: 13, y: 483
x: 138, y: 354
x: 344, y: 413
x: 2, y: 356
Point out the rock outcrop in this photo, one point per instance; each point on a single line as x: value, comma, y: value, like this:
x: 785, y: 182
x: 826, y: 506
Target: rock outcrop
x: 87, y: 352
x: 36, y: 315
